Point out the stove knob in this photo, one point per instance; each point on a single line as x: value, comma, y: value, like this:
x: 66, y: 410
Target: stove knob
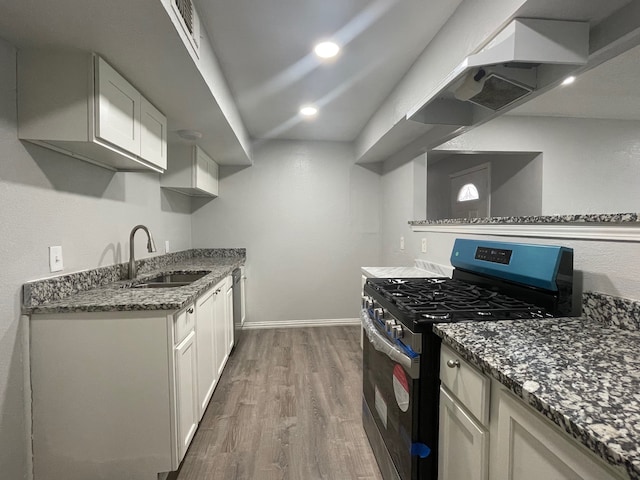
x: 396, y: 331
x: 378, y: 314
x: 388, y: 325
x: 367, y: 303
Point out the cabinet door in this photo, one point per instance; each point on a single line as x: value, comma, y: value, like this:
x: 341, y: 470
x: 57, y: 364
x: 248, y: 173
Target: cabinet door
x: 220, y: 328
x: 463, y: 443
x: 153, y: 134
x: 186, y: 392
x: 229, y: 317
x: 213, y: 177
x: 243, y: 298
x: 207, y: 373
x: 531, y: 449
x: 205, y: 172
x: 201, y: 172
x: 118, y: 107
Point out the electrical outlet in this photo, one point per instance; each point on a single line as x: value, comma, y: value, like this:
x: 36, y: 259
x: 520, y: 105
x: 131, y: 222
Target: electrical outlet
x: 401, y: 243
x: 166, y: 246
x: 424, y: 245
x: 55, y: 259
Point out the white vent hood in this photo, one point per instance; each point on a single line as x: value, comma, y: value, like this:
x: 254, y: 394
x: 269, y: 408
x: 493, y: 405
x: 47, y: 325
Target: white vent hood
x: 527, y: 55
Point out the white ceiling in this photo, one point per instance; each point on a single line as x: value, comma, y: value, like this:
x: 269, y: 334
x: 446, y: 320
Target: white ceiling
x: 265, y: 48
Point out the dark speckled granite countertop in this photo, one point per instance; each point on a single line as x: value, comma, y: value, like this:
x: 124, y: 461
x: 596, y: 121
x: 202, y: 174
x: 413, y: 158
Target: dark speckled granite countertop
x: 115, y: 296
x: 589, y: 218
x: 582, y: 374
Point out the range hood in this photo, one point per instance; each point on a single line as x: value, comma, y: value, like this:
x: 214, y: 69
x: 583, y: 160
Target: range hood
x: 524, y: 57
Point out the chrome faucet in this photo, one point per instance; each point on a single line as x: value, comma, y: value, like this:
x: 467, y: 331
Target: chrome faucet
x: 151, y: 247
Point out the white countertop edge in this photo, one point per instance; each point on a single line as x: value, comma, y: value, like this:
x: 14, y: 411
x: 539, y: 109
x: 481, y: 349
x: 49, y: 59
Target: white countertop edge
x: 584, y: 231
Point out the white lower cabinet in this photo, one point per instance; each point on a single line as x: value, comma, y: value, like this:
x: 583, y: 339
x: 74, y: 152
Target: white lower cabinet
x: 243, y: 297
x: 463, y: 442
x: 212, y: 337
x: 207, y: 373
x: 120, y: 394
x: 488, y: 433
x: 531, y: 449
x: 229, y: 316
x: 185, y: 378
x: 186, y: 392
x: 222, y: 314
x: 463, y: 451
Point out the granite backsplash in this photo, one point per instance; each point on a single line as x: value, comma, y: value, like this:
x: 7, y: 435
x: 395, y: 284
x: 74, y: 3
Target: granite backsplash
x: 619, y: 312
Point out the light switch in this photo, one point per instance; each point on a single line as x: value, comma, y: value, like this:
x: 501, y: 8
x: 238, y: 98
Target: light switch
x: 55, y: 259
x: 401, y: 243
x: 424, y: 245
x: 166, y: 246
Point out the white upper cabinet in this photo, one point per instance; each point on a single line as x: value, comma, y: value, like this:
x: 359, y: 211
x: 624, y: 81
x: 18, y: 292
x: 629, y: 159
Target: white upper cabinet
x: 117, y: 108
x: 153, y: 134
x: 77, y: 104
x: 191, y: 171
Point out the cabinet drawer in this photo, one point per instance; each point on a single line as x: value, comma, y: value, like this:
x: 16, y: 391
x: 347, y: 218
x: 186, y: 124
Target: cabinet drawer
x: 183, y: 323
x: 468, y: 384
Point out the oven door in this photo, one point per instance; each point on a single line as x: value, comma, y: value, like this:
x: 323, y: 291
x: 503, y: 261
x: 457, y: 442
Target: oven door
x: 391, y: 393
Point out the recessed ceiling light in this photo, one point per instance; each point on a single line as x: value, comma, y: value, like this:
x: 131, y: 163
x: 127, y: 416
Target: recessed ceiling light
x: 308, y: 110
x: 569, y: 80
x: 326, y: 49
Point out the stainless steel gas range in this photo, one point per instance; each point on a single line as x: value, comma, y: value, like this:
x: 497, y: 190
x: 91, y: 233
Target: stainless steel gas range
x: 491, y: 281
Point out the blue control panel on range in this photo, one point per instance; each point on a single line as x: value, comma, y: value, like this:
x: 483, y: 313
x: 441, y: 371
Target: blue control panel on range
x: 527, y: 264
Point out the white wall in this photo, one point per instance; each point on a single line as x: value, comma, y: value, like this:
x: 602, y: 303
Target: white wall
x: 603, y: 266
x: 49, y: 199
x: 516, y: 183
x: 589, y: 165
x: 403, y: 190
x: 309, y: 219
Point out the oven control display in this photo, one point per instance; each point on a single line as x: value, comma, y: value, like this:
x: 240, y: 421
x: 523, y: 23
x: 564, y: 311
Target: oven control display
x: 495, y: 255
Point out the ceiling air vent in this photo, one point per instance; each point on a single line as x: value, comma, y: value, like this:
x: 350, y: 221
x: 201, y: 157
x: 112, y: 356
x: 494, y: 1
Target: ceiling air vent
x: 189, y: 20
x: 185, y: 9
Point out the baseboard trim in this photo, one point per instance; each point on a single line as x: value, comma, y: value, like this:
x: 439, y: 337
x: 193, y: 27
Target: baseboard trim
x: 319, y: 322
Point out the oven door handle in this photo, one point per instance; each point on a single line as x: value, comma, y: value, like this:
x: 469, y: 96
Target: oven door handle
x: 383, y: 345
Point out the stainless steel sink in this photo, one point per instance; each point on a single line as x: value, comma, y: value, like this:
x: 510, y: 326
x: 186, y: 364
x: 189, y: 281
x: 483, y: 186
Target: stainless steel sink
x: 178, y: 277
x: 171, y: 280
x: 160, y: 285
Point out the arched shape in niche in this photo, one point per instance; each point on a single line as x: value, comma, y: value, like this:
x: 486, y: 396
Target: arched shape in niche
x: 468, y: 192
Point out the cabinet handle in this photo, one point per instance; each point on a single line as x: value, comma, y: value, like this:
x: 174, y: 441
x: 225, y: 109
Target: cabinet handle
x: 190, y: 310
x: 453, y: 363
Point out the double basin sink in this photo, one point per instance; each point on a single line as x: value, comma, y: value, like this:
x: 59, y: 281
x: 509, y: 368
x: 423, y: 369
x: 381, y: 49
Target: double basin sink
x: 170, y: 280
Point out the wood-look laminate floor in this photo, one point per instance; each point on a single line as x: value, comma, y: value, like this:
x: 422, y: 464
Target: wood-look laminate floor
x: 288, y: 407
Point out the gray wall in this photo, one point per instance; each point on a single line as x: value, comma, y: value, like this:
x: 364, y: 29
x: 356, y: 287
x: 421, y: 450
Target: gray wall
x: 604, y: 266
x: 403, y: 191
x: 516, y: 183
x: 590, y: 165
x: 309, y: 219
x: 50, y: 199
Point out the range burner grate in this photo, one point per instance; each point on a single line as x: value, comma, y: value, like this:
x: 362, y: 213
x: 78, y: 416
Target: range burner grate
x: 448, y: 300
